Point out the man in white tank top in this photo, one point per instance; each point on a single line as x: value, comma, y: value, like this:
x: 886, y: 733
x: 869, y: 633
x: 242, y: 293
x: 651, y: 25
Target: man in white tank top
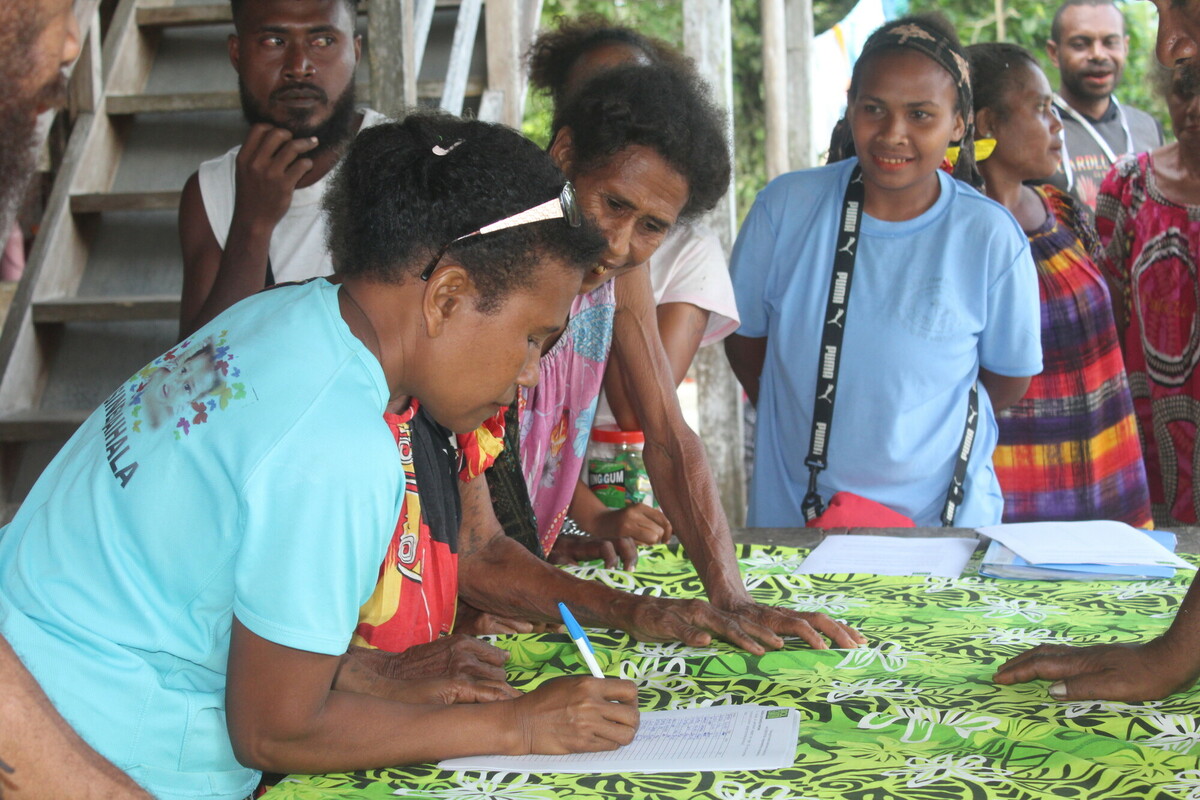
x: 252, y: 217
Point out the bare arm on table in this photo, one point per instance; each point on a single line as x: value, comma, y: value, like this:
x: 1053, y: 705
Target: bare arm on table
x: 1125, y: 672
x: 283, y: 716
x: 684, y: 484
x: 500, y: 576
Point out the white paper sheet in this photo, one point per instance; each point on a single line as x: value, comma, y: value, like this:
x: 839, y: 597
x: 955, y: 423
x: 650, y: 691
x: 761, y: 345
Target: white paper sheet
x: 685, y: 740
x: 890, y: 555
x: 1102, y: 542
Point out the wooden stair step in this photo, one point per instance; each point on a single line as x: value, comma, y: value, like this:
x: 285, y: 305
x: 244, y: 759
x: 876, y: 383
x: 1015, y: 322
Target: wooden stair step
x: 158, y: 103
x: 35, y: 424
x: 183, y: 16
x: 106, y: 309
x: 119, y: 104
x: 213, y: 14
x: 103, y: 202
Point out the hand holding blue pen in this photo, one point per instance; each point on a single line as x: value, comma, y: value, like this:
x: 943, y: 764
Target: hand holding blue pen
x: 581, y: 640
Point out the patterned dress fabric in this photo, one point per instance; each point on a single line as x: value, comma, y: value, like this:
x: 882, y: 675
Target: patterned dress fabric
x: 510, y: 495
x: 1151, y: 246
x: 556, y: 415
x: 1069, y: 449
x: 416, y: 595
x: 912, y: 715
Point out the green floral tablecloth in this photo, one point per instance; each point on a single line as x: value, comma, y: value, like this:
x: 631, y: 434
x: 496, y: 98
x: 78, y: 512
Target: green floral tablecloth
x: 913, y: 715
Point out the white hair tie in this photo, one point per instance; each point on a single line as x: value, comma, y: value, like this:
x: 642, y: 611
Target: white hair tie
x: 438, y: 150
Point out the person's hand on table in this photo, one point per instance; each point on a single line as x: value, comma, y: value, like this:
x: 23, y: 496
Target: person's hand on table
x: 810, y: 626
x: 455, y: 656
x: 1125, y: 673
x: 577, y: 714
x: 570, y: 550
x: 470, y: 620
x: 623, y: 528
x: 750, y: 626
x: 453, y: 669
x: 637, y: 521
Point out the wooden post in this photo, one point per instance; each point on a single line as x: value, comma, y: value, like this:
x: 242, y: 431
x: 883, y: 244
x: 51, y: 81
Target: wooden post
x: 531, y: 19
x: 462, y: 48
x: 502, y: 25
x: 511, y: 26
x: 708, y: 39
x: 393, y: 68
x: 775, y: 90
x: 422, y: 21
x: 803, y: 145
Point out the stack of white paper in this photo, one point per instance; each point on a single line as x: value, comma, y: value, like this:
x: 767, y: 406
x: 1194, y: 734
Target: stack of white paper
x: 942, y: 557
x: 710, y: 739
x: 1096, y: 550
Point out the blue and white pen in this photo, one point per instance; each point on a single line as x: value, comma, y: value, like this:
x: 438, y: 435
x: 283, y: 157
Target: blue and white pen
x: 581, y: 640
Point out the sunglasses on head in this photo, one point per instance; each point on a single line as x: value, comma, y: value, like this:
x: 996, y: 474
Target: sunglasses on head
x: 565, y: 206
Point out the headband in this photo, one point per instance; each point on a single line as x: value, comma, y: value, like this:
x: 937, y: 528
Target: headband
x: 930, y: 43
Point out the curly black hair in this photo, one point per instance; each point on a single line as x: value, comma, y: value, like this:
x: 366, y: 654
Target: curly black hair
x: 405, y: 189
x: 554, y: 53
x: 236, y: 7
x: 662, y: 108
x: 994, y: 73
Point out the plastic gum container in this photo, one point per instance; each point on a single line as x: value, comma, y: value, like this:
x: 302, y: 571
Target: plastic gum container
x: 615, y: 469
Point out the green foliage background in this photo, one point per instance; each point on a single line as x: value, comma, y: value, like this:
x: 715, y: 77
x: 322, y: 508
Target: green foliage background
x: 1027, y: 23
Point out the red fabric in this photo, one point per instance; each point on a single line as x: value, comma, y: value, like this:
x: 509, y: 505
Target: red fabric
x: 479, y: 449
x: 417, y: 594
x: 1151, y: 254
x: 850, y: 510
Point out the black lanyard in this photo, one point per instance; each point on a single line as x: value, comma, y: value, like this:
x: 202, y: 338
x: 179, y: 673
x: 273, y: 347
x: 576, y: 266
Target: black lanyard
x: 831, y: 356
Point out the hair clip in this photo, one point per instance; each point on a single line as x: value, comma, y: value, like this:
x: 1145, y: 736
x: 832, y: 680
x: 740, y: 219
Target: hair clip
x: 438, y: 150
x: 983, y: 149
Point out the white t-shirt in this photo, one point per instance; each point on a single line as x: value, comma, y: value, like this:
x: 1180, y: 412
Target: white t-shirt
x: 297, y: 248
x: 690, y: 267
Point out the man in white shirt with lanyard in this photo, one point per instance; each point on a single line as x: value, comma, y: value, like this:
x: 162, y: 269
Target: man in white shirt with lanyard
x: 1088, y: 44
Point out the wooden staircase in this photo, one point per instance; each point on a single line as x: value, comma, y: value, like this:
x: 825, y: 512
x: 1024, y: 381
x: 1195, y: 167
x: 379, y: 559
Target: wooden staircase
x: 152, y: 96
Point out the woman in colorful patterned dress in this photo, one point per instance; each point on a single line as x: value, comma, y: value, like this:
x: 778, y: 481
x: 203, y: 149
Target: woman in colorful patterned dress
x: 1069, y: 449
x: 1148, y: 217
x: 644, y: 148
x: 689, y: 272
